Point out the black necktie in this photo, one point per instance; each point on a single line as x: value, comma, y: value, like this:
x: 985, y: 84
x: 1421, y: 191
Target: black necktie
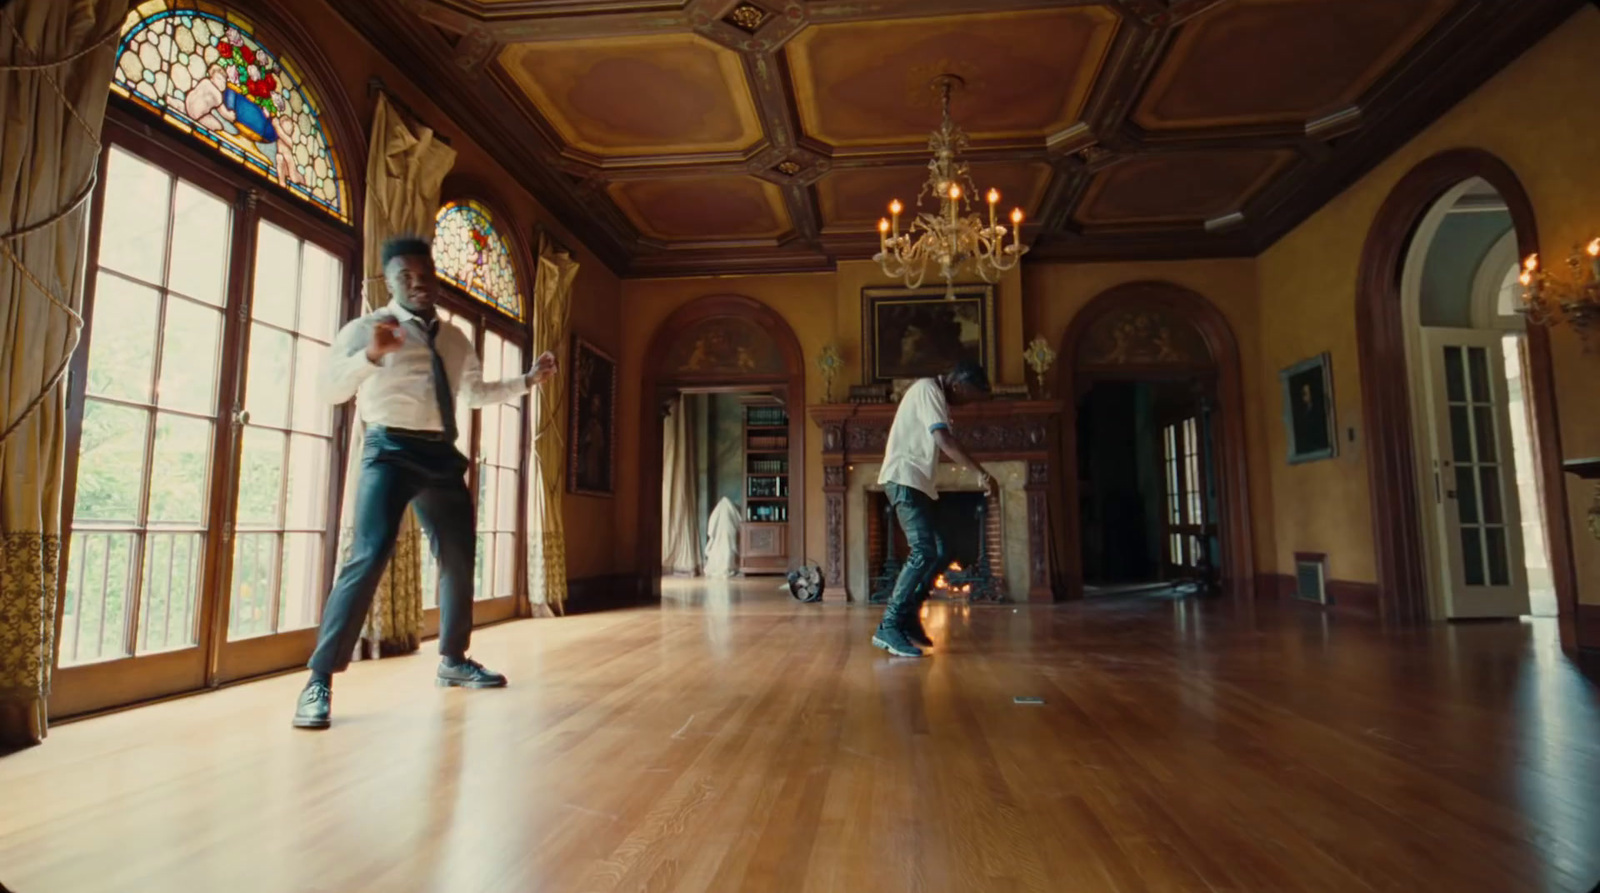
x: 441, y: 385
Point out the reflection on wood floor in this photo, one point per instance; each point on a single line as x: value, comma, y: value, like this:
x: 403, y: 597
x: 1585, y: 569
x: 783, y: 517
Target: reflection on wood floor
x: 735, y: 740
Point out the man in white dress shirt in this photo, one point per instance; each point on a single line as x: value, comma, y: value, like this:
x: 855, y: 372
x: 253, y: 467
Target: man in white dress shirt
x: 406, y: 370
x: 921, y: 431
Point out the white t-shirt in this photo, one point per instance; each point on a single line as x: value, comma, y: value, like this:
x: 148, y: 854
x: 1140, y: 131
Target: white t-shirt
x: 911, y: 458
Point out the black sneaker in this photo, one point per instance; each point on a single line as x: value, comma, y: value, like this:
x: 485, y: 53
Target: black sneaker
x: 468, y: 674
x: 916, y: 632
x: 315, y: 706
x: 894, y: 641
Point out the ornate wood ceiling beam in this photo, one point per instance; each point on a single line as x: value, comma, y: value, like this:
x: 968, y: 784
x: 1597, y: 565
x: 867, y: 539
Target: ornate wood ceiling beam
x: 478, y: 108
x: 1184, y: 10
x: 727, y: 263
x: 522, y: 10
x: 823, y: 12
x: 1164, y: 13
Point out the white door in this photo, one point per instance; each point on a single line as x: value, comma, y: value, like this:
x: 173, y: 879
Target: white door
x: 1474, y: 478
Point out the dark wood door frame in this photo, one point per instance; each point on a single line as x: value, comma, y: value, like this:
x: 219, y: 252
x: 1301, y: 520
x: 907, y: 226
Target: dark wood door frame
x: 1230, y: 459
x: 1386, y: 393
x: 660, y: 385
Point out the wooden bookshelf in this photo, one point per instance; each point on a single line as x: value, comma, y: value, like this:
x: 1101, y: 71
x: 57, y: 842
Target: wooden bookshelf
x: 764, y: 536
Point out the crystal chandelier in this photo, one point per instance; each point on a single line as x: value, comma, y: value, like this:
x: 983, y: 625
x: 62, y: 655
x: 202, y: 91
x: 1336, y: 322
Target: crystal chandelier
x: 950, y: 238
x: 1574, y: 299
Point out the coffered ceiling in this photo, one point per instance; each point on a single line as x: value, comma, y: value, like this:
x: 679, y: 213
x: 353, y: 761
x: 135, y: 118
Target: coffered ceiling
x: 680, y: 137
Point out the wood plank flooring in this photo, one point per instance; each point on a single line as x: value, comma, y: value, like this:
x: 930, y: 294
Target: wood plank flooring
x: 734, y: 740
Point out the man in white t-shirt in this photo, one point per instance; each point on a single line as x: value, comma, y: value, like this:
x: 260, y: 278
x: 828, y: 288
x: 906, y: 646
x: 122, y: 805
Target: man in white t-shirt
x: 910, y: 468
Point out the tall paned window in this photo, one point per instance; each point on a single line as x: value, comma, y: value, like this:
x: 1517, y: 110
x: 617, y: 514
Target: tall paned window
x: 142, y: 506
x: 202, y: 471
x: 484, y: 299
x: 288, y: 448
x: 1185, y: 508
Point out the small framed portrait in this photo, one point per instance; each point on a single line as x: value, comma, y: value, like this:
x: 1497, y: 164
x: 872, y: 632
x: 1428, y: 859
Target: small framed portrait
x: 1308, y: 415
x: 591, y: 444
x: 920, y: 332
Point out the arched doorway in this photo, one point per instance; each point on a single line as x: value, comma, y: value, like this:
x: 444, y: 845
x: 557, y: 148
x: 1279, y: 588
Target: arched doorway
x: 1390, y: 337
x: 719, y: 343
x: 1168, y: 340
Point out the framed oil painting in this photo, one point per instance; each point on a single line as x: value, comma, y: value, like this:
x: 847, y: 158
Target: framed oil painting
x: 919, y: 332
x: 1308, y: 415
x: 591, y: 442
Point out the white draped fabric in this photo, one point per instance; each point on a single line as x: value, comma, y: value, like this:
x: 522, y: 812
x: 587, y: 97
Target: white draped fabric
x: 722, y: 541
x: 680, y: 551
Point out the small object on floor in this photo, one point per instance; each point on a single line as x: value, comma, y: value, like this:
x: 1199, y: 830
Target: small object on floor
x: 805, y: 583
x: 1027, y: 700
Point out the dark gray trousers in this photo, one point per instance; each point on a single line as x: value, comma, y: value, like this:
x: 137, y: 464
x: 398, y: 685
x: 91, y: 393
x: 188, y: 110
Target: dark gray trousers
x: 397, y: 471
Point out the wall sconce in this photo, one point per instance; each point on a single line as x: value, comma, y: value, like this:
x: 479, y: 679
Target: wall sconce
x: 829, y: 362
x: 1572, y: 299
x: 1040, y: 358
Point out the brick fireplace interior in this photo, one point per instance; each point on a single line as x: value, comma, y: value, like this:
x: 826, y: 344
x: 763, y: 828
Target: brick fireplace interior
x: 955, y: 519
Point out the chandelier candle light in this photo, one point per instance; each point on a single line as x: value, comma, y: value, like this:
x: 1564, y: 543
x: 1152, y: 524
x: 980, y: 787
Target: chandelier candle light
x: 1574, y: 299
x: 950, y: 238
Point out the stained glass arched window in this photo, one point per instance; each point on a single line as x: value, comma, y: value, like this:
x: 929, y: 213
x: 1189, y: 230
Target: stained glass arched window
x: 471, y: 253
x: 201, y: 67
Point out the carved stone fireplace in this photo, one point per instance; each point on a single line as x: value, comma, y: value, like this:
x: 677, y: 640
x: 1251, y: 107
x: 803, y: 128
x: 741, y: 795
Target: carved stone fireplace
x: 1015, y: 440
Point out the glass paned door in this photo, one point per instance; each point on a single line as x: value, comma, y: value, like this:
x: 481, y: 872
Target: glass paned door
x: 492, y: 438
x: 283, y: 526
x: 1474, y: 483
x: 464, y: 440
x: 137, y: 556
x: 190, y: 418
x: 499, y: 482
x: 1184, y: 518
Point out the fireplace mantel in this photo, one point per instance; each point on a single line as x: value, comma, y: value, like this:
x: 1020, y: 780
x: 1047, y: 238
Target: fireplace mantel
x: 1023, y: 431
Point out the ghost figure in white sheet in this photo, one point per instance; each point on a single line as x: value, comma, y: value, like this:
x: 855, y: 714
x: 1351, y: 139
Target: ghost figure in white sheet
x: 722, y: 541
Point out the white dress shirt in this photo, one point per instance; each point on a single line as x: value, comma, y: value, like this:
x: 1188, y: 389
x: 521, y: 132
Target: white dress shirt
x: 398, y: 391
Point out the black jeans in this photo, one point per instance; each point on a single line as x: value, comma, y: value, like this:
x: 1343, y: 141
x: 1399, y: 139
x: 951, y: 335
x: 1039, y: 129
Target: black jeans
x: 398, y: 471
x: 914, y: 509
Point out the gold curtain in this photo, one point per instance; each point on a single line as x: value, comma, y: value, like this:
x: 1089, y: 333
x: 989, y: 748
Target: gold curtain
x: 55, y: 75
x: 405, y: 170
x: 547, y: 538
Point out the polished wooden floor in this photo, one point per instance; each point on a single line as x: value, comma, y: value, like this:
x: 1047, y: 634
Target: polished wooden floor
x: 734, y: 740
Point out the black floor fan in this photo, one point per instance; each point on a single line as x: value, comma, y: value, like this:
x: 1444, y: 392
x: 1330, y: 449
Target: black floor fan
x: 805, y: 583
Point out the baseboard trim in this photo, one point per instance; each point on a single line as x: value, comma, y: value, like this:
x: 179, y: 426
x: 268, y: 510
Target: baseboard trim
x: 610, y: 592
x: 1344, y: 597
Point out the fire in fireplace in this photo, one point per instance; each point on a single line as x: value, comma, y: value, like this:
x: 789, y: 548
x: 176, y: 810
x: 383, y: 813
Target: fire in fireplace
x: 968, y: 525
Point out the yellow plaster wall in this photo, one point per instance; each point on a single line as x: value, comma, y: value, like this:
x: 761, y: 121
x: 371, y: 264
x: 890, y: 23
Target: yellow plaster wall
x: 1540, y: 117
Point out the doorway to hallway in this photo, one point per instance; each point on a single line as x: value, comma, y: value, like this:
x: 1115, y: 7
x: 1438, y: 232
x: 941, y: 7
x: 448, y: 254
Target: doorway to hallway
x: 725, y: 494
x: 1146, y: 492
x: 1483, y: 518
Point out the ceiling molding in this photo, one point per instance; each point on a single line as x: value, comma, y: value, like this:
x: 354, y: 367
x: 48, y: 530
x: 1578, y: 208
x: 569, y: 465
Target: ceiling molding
x: 1396, y: 89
